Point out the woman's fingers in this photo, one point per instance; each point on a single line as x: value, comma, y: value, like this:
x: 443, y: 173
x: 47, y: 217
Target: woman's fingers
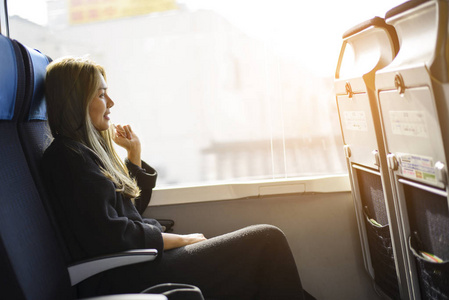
x: 124, y: 131
x: 196, y: 237
x: 128, y: 132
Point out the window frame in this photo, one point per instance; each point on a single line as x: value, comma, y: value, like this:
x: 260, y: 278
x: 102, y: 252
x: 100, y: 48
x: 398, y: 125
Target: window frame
x: 210, y: 192
x: 4, y: 26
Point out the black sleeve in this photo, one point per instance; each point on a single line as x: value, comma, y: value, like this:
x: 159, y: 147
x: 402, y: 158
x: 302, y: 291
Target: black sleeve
x: 89, y: 202
x: 153, y: 222
x: 146, y: 180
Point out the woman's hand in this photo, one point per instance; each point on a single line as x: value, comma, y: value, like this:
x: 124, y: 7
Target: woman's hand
x: 172, y: 241
x: 125, y: 137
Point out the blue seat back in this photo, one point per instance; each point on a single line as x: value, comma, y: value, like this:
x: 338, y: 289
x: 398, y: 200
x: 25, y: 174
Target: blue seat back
x: 34, y: 131
x: 31, y: 262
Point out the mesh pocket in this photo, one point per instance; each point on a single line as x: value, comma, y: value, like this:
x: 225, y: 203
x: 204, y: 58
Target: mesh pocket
x: 382, y: 258
x: 433, y: 277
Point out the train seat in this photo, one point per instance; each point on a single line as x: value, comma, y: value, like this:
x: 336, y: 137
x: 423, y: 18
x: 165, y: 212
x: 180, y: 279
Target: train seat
x: 31, y: 259
x: 366, y: 48
x: 412, y: 92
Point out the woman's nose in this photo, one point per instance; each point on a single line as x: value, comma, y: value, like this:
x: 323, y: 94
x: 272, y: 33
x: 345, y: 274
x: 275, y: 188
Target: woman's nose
x: 110, y: 103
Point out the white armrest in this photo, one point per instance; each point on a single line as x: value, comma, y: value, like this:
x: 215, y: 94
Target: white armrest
x: 85, y: 269
x: 129, y: 297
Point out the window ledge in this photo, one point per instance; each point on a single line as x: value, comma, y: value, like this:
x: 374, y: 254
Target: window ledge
x: 230, y: 191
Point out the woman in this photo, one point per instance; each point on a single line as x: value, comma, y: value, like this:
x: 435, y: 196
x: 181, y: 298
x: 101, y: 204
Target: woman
x: 98, y: 201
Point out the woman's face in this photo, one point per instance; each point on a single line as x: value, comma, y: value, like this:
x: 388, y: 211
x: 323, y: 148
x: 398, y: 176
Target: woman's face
x: 99, y: 107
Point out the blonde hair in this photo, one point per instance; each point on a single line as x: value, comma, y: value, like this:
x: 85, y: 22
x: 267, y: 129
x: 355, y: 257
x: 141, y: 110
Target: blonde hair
x: 70, y: 85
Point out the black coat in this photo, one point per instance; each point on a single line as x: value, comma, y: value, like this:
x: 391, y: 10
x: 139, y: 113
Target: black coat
x: 93, y: 218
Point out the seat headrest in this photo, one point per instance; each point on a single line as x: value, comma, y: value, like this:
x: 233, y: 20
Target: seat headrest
x: 39, y: 62
x: 8, y: 79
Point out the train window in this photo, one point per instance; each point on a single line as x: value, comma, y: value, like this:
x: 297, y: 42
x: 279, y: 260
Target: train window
x: 218, y: 90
